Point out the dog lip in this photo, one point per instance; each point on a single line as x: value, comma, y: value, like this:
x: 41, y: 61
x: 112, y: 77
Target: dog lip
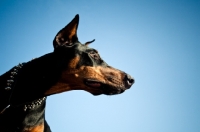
x: 93, y: 83
x: 104, y: 88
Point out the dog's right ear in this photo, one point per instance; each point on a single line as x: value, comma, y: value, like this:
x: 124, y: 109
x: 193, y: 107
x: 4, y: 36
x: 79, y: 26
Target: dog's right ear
x: 68, y: 35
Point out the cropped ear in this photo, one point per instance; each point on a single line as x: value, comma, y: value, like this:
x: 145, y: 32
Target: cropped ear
x: 68, y: 35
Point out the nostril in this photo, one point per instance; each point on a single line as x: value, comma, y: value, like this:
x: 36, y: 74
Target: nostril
x: 131, y: 81
x: 128, y: 81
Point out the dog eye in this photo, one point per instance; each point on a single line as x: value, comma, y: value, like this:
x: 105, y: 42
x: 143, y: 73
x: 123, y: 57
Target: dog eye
x: 94, y: 55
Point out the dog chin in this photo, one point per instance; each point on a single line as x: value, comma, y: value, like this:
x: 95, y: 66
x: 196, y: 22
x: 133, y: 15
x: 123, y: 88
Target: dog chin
x: 100, y: 88
x: 96, y: 94
x: 106, y: 92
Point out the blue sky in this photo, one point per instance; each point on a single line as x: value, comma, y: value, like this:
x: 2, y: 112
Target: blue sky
x: 157, y: 42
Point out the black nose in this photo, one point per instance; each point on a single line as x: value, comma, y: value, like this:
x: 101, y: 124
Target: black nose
x: 128, y: 81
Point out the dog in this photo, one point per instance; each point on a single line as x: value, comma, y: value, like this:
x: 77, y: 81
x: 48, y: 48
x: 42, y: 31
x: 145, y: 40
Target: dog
x: 71, y: 66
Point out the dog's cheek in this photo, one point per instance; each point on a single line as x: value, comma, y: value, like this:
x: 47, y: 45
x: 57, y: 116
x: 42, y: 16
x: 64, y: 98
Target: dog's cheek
x: 73, y: 63
x: 67, y: 80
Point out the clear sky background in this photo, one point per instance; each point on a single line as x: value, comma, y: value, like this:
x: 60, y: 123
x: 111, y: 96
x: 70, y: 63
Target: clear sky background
x: 157, y: 42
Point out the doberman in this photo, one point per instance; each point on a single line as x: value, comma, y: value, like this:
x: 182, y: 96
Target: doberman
x: 71, y: 66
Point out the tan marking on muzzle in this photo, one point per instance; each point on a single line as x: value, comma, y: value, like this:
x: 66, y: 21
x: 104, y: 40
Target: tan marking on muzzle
x: 106, y: 75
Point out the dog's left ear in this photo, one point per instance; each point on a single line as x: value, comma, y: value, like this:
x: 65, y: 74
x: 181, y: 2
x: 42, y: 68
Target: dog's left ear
x: 68, y: 35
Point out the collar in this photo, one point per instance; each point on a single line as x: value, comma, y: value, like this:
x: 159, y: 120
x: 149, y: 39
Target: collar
x: 11, y: 82
x: 34, y: 104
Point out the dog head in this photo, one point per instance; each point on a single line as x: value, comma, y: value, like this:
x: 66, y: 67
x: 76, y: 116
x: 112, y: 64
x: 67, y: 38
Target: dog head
x: 83, y: 68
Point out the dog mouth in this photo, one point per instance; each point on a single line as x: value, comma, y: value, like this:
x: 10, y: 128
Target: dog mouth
x: 93, y: 83
x: 99, y: 88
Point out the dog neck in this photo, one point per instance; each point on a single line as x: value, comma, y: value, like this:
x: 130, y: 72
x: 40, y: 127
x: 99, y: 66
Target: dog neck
x: 31, y: 81
x: 28, y: 114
